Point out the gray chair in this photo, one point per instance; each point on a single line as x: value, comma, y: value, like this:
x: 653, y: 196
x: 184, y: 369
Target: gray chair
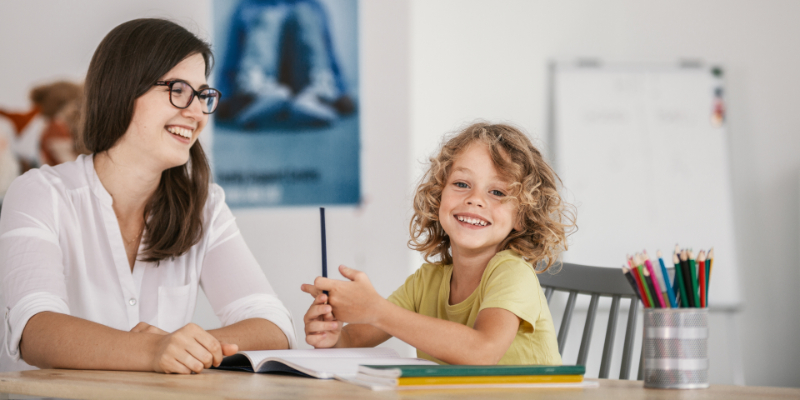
x: 595, y: 282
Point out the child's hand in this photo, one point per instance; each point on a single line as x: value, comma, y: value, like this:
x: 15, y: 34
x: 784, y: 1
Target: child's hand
x: 353, y: 302
x: 322, y: 329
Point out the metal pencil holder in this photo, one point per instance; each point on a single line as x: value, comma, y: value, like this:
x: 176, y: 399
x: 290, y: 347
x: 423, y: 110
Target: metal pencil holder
x: 675, y: 348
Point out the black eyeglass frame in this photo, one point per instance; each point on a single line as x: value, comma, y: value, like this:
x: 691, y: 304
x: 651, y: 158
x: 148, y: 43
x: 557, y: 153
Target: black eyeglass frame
x: 194, y: 93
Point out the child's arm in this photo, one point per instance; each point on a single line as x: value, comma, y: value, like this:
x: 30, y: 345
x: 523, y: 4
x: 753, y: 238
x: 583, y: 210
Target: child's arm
x: 323, y: 331
x: 357, y: 302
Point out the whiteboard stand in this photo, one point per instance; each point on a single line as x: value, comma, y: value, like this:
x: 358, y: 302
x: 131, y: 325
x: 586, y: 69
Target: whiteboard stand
x: 645, y: 162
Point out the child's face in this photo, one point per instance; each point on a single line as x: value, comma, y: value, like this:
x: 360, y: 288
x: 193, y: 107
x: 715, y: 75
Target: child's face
x: 472, y: 211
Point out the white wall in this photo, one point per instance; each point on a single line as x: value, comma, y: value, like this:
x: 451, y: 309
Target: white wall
x: 43, y: 40
x: 487, y: 59
x: 428, y: 67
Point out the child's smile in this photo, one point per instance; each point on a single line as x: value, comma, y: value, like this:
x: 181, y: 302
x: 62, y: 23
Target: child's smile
x: 473, y: 210
x: 472, y: 220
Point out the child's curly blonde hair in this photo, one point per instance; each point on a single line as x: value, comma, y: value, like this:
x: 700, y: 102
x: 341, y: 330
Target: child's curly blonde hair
x: 545, y: 218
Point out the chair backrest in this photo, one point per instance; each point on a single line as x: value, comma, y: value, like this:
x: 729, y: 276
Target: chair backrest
x: 596, y: 282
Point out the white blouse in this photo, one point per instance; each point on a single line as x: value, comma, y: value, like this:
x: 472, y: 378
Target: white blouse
x: 61, y: 250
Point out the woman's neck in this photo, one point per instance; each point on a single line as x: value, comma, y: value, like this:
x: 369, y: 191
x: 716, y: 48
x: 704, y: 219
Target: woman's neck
x: 130, y: 184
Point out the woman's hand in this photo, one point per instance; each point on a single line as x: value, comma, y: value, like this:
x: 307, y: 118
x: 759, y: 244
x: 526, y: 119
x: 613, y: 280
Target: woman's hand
x: 189, y: 349
x: 144, y: 327
x: 322, y: 329
x: 355, y: 301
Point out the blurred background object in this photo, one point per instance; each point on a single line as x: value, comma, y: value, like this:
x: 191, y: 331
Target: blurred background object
x: 46, y: 134
x: 280, y: 68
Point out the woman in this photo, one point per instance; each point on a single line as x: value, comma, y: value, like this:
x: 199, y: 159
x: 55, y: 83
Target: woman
x: 101, y: 258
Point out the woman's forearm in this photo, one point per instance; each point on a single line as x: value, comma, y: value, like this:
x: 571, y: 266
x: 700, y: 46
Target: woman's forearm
x: 252, y: 334
x: 53, y: 340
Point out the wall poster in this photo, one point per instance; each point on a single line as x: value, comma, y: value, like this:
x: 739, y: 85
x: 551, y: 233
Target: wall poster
x: 287, y: 128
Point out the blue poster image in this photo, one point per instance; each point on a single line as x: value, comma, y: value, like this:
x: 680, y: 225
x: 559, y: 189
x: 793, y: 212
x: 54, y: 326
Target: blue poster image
x: 286, y: 132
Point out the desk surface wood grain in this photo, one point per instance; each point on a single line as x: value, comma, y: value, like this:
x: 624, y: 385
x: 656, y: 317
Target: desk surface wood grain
x: 215, y: 384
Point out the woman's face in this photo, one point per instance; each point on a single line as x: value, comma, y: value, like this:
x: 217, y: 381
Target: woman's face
x: 161, y: 134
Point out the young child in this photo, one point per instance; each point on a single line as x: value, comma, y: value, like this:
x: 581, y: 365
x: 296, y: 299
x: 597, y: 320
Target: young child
x: 485, y: 213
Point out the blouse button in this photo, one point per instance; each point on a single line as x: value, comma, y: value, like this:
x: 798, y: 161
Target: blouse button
x: 132, y: 301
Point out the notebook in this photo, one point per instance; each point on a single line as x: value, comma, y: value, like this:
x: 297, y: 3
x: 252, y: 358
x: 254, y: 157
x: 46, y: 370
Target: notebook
x: 316, y: 363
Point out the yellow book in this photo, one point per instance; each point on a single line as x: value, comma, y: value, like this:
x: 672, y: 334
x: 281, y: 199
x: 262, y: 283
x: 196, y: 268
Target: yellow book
x: 415, y: 377
x: 478, y: 380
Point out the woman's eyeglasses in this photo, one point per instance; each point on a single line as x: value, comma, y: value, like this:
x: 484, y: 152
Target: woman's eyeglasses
x: 181, y: 95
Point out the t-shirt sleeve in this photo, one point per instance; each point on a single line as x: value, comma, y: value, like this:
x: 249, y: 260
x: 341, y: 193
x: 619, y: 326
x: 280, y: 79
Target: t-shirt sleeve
x: 513, y: 286
x: 31, y: 267
x: 406, y: 296
x: 232, y: 279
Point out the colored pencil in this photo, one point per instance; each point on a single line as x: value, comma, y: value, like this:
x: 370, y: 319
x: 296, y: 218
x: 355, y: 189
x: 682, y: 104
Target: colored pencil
x: 684, y: 302
x: 639, y: 282
x: 693, y: 271
x: 687, y: 278
x: 677, y: 283
x: 645, y: 289
x: 701, y: 276
x: 656, y: 286
x: 670, y: 293
x: 632, y: 282
x: 650, y: 283
x: 662, y: 285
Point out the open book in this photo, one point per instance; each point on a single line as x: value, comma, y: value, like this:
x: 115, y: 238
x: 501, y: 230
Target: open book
x: 316, y: 363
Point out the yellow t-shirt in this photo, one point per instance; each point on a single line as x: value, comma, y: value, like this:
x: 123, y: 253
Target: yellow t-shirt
x: 508, y: 282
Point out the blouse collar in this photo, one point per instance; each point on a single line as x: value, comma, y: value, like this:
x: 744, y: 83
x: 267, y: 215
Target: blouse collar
x: 94, y: 181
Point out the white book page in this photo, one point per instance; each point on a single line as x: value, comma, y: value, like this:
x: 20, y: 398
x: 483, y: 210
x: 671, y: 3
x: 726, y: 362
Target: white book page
x: 345, y: 367
x: 256, y: 356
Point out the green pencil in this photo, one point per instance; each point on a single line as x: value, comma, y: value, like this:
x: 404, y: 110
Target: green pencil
x: 693, y: 271
x: 644, y: 282
x: 679, y: 279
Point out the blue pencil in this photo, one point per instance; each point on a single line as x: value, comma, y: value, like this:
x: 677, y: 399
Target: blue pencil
x: 670, y: 292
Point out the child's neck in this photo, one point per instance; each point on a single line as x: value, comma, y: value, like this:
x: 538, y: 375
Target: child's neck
x: 467, y: 274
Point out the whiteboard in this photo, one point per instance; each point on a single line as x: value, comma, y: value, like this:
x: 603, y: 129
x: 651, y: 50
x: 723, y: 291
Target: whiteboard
x: 640, y: 158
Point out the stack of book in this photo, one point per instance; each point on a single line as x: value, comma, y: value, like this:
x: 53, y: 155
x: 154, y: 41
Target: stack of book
x: 399, y: 377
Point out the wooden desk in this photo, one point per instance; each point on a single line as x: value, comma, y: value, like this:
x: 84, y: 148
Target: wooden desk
x: 242, y: 385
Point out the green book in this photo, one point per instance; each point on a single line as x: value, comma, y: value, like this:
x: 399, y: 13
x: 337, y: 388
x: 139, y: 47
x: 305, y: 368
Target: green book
x: 397, y: 371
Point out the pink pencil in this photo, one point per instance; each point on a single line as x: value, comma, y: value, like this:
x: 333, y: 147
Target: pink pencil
x: 650, y: 269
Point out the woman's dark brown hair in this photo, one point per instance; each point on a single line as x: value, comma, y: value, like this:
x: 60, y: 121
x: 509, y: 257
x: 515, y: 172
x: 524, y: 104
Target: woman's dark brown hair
x: 546, y: 219
x: 126, y: 64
